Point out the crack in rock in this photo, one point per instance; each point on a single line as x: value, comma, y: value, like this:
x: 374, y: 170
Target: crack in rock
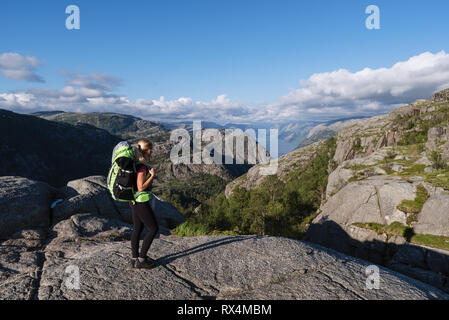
x: 357, y: 294
x: 198, y: 290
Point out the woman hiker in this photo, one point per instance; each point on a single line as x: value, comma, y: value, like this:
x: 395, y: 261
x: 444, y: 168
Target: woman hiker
x: 142, y: 213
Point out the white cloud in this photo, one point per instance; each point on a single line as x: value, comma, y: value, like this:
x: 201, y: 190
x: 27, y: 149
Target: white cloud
x: 367, y: 91
x: 17, y: 67
x: 322, y: 96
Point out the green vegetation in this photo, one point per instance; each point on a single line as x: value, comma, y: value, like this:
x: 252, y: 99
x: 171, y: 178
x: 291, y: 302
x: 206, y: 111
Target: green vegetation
x: 414, y: 136
x: 187, y: 195
x: 431, y: 240
x: 414, y: 207
x: 189, y: 229
x: 398, y: 229
x: 438, y: 179
x: 276, y: 207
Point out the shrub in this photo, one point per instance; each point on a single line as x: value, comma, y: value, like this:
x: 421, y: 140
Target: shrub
x: 437, y: 160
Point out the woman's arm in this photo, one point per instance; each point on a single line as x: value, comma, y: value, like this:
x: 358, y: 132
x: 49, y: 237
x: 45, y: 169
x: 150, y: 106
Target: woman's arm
x: 142, y: 185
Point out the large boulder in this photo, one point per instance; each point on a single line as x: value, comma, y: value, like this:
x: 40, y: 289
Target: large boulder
x: 376, y: 201
x: 90, y: 225
x: 434, y: 216
x: 23, y: 204
x: 89, y: 195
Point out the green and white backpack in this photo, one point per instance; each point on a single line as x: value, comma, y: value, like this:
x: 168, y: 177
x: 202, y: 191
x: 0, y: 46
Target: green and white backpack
x: 122, y: 175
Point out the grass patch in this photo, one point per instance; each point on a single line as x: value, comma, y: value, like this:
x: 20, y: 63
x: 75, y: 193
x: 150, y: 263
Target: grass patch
x: 376, y: 227
x: 414, y: 207
x: 438, y: 178
x: 430, y: 240
x: 414, y: 170
x: 394, y: 229
x: 190, y: 229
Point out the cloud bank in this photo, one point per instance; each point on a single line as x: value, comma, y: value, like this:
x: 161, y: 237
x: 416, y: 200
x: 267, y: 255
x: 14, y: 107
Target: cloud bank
x: 366, y: 92
x: 323, y: 96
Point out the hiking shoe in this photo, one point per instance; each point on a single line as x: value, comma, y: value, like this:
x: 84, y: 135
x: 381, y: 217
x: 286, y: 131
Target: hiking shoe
x: 146, y: 264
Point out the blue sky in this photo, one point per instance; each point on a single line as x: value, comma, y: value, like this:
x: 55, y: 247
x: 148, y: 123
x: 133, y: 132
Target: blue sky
x: 253, y: 52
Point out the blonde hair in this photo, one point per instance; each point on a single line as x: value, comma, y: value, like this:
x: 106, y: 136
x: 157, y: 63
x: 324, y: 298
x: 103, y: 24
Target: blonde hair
x: 142, y: 147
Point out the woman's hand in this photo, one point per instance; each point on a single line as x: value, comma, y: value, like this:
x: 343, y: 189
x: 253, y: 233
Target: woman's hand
x: 152, y: 172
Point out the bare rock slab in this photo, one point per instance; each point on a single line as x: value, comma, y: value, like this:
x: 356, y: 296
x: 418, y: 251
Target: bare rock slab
x: 219, y: 267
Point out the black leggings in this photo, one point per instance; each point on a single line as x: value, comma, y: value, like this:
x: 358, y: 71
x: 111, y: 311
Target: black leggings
x: 143, y: 216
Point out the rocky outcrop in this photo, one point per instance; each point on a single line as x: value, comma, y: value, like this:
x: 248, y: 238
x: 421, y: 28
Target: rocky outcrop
x: 377, y: 200
x: 441, y: 96
x: 23, y: 203
x: 91, y: 225
x: 90, y: 195
x: 364, y: 138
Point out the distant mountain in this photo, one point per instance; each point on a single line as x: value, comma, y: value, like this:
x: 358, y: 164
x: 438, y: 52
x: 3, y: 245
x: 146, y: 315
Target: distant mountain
x: 46, y: 113
x: 51, y: 151
x: 131, y: 128
x: 126, y: 126
x: 327, y: 130
x: 296, y: 132
x: 188, y: 125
